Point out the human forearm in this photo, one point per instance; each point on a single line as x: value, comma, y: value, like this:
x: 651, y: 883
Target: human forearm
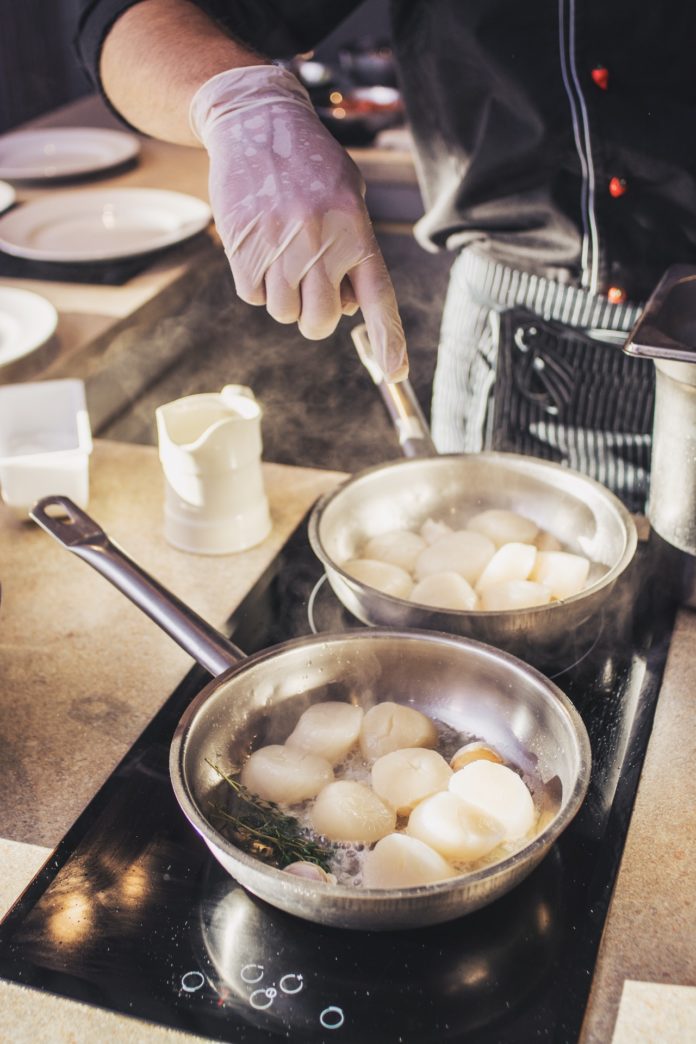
x: 156, y: 56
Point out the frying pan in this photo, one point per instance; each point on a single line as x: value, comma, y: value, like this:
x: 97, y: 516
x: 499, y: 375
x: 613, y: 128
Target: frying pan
x: 257, y: 700
x: 585, y: 516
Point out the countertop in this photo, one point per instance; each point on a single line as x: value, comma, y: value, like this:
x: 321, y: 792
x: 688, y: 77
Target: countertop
x: 72, y: 704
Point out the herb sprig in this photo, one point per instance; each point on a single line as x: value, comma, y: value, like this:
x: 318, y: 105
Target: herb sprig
x: 263, y: 830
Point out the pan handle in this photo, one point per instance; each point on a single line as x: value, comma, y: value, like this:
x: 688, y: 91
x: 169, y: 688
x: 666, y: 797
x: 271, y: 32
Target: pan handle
x: 79, y: 533
x: 400, y: 400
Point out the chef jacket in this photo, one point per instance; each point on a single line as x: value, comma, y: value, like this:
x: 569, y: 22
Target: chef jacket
x: 558, y: 136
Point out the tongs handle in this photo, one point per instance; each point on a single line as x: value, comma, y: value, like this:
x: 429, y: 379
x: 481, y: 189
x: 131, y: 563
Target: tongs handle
x: 76, y: 531
x: 401, y: 402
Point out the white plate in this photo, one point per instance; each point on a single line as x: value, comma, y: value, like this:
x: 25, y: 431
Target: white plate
x: 27, y: 323
x: 7, y: 196
x: 101, y: 224
x: 62, y: 152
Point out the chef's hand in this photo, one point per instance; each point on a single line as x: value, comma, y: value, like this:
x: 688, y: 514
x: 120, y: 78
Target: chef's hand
x: 289, y: 207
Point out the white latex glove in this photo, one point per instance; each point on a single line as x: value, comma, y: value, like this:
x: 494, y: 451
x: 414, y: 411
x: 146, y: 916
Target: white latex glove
x: 289, y: 208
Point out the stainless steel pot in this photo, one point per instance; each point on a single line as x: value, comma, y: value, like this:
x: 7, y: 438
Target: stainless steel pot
x: 473, y: 688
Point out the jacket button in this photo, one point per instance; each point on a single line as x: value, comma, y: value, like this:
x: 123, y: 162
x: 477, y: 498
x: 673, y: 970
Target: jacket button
x: 616, y: 295
x: 600, y: 75
x: 617, y: 187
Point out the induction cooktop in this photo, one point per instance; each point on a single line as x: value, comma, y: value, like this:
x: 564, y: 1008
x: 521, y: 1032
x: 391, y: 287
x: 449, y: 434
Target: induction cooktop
x: 132, y: 914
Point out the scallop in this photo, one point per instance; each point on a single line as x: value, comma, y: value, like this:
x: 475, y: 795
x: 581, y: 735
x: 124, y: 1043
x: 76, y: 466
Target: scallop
x: 327, y: 729
x: 545, y: 541
x: 446, y: 590
x: 432, y: 530
x: 458, y: 831
x: 407, y: 776
x: 563, y: 573
x: 384, y: 577
x: 497, y: 791
x: 461, y: 552
x: 504, y: 527
x: 285, y: 775
x: 349, y: 811
x: 474, y: 751
x: 391, y: 726
x: 400, y: 861
x: 400, y: 547
x: 514, y: 594
x: 510, y: 562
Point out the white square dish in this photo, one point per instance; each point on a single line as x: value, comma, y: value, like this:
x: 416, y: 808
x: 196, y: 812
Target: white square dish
x: 45, y: 442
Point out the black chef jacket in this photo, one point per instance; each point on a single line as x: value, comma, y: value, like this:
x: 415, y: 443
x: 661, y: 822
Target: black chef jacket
x: 557, y: 135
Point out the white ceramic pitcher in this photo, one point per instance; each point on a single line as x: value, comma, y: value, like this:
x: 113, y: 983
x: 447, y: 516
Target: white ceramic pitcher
x: 210, y: 449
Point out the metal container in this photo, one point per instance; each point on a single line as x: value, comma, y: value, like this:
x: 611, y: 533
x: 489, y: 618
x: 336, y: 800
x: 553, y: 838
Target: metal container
x: 472, y: 687
x: 666, y: 333
x: 588, y: 519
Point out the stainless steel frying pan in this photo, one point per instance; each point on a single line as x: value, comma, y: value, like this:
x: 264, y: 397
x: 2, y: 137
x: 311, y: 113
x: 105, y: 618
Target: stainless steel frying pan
x: 585, y: 516
x: 256, y: 700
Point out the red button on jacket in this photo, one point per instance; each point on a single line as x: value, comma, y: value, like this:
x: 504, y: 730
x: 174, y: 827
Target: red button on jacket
x: 616, y: 295
x: 600, y: 75
x: 617, y: 187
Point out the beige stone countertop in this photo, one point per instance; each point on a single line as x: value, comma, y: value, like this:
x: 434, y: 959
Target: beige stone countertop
x: 649, y: 942
x: 82, y: 671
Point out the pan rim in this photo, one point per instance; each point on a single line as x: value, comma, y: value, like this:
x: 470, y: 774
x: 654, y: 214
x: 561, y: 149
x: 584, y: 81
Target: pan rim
x: 529, y: 853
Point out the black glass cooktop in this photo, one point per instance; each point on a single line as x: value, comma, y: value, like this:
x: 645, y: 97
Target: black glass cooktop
x: 131, y: 913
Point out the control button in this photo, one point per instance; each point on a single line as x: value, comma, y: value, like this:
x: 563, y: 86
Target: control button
x: 616, y: 295
x: 617, y: 187
x: 600, y: 75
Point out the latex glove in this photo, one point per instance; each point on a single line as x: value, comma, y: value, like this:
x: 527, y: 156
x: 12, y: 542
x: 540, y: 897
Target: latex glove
x: 289, y: 207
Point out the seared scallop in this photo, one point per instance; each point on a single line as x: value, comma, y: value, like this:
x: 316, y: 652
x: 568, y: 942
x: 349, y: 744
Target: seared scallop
x: 350, y: 811
x: 400, y: 861
x: 327, y: 729
x: 390, y: 726
x: 455, y: 829
x: 384, y: 577
x: 498, y: 792
x: 285, y: 775
x: 504, y: 527
x: 407, y: 776
x: 461, y: 552
x: 510, y: 562
x: 399, y: 547
x: 563, y: 573
x: 444, y: 591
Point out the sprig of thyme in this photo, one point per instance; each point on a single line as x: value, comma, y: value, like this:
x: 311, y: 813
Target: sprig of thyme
x: 260, y: 827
